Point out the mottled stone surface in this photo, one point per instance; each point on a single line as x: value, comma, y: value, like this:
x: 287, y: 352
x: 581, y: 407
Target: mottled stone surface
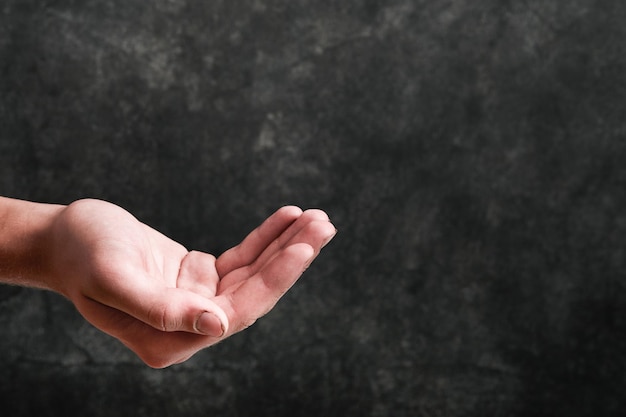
x: 471, y: 153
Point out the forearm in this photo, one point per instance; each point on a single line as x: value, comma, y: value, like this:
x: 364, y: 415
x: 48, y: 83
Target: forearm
x: 25, y: 242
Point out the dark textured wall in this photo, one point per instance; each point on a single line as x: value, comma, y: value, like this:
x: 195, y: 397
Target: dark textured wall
x: 471, y: 154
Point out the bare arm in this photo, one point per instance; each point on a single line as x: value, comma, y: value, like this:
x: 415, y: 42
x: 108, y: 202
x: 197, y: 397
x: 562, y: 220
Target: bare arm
x: 25, y: 239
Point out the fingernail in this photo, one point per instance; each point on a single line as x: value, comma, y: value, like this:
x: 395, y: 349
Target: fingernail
x: 209, y: 324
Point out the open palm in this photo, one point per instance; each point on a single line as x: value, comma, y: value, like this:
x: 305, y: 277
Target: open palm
x: 164, y: 302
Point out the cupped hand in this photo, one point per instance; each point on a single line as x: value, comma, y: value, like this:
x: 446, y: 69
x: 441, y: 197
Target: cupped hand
x: 164, y: 302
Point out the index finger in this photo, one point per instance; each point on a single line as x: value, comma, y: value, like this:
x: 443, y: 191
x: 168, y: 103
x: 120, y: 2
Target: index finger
x: 254, y: 297
x: 254, y: 244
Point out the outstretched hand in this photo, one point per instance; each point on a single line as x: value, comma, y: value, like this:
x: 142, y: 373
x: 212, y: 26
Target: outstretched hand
x: 164, y: 302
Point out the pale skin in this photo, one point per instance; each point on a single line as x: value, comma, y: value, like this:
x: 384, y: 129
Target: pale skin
x: 162, y: 301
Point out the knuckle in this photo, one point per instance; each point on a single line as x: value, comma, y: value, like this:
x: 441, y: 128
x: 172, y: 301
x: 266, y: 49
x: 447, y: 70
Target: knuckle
x: 160, y: 318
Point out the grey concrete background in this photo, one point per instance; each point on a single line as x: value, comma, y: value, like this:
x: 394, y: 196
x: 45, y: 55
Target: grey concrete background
x: 471, y: 154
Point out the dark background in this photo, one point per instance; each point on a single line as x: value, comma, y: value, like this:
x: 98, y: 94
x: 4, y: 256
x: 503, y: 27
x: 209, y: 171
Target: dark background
x: 471, y: 154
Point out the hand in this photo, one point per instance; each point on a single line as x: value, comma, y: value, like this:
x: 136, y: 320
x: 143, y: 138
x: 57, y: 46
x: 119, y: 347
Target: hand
x: 164, y: 302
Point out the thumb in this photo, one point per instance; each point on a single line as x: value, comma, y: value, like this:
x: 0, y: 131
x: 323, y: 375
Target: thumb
x: 176, y: 309
x: 165, y: 309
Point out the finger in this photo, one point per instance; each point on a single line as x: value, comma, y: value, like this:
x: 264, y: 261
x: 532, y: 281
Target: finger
x: 316, y: 233
x: 165, y: 309
x: 313, y: 227
x: 254, y: 297
x: 198, y: 274
x: 254, y: 244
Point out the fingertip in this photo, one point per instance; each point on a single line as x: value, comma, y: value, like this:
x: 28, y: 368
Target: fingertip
x: 318, y: 233
x: 289, y: 211
x: 316, y: 214
x: 209, y: 324
x: 212, y: 321
x: 330, y: 236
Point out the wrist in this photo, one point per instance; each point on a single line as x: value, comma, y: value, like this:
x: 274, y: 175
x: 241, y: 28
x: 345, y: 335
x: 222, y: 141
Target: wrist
x: 26, y: 242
